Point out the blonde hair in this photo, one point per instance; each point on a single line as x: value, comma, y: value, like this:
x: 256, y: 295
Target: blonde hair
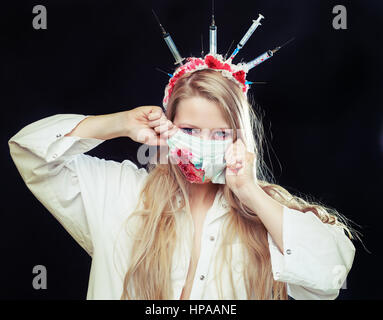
x: 149, y: 273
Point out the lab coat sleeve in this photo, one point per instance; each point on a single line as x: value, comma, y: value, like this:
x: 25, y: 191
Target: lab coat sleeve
x: 79, y: 190
x: 317, y: 256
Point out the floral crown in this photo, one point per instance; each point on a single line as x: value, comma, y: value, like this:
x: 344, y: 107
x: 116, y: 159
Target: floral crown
x: 214, y: 61
x: 237, y: 73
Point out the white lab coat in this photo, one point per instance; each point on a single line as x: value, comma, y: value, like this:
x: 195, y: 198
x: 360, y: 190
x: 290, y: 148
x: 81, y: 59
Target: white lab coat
x: 92, y: 198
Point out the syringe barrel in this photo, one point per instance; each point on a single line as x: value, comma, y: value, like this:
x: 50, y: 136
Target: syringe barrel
x: 249, y: 33
x: 169, y: 41
x: 258, y: 60
x: 213, y: 39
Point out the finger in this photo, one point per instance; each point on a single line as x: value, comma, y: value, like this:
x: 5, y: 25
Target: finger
x: 236, y: 155
x: 164, y: 127
x: 161, y: 141
x: 230, y: 170
x: 230, y: 147
x: 154, y: 115
x: 243, y: 148
x: 234, y: 147
x: 233, y: 159
x: 158, y: 120
x: 240, y: 170
x: 239, y: 164
x: 230, y: 161
x: 229, y: 156
x: 239, y: 150
x: 158, y: 123
x: 170, y: 133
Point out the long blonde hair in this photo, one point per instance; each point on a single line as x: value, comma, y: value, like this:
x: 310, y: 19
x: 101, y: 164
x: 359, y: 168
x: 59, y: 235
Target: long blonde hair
x: 149, y: 273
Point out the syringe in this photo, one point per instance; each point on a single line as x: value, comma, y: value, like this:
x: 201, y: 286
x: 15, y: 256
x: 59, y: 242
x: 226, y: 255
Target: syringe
x: 255, y: 82
x: 247, y: 35
x: 169, y: 41
x: 263, y: 57
x: 213, y: 33
x: 169, y: 74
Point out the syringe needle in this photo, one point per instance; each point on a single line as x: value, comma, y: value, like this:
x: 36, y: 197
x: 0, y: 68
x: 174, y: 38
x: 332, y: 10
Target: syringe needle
x: 213, y: 33
x: 293, y: 38
x: 169, y: 41
x: 202, y: 52
x: 263, y: 57
x: 228, y: 50
x: 158, y: 20
x: 169, y: 74
x: 279, y: 47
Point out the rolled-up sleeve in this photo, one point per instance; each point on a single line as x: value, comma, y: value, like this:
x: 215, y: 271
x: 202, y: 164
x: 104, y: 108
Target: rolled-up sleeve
x: 79, y: 190
x: 317, y: 256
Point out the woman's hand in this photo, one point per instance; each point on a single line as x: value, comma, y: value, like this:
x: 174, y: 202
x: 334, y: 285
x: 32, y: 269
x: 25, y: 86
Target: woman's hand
x: 240, y: 170
x: 149, y: 125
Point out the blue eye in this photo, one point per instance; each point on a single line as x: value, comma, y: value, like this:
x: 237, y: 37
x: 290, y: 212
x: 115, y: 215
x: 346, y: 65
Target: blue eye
x: 190, y: 130
x: 217, y: 135
x: 221, y: 135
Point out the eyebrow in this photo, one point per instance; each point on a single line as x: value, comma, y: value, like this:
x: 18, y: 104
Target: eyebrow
x: 192, y: 126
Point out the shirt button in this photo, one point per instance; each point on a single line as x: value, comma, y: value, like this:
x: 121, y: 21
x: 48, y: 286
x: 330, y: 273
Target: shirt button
x: 58, y: 135
x: 288, y: 251
x: 211, y: 238
x: 202, y: 277
x: 54, y: 156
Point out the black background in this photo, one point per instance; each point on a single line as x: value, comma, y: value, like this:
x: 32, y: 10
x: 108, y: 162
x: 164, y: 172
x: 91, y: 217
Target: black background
x: 322, y: 103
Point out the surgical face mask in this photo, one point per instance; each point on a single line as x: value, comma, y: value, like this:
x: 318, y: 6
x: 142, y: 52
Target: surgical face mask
x: 198, y: 159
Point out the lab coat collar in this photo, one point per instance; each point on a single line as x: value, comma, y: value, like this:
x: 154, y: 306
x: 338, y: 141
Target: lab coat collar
x: 219, y: 208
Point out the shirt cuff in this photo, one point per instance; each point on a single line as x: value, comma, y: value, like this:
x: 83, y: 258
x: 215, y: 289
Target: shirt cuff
x: 46, y: 137
x: 316, y: 255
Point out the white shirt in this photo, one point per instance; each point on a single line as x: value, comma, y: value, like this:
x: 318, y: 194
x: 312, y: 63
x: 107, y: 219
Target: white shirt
x: 92, y: 198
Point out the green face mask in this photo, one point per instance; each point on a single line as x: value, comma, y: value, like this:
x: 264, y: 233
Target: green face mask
x: 197, y: 158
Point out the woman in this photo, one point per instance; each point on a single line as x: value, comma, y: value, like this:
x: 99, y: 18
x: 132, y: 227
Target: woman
x: 158, y: 233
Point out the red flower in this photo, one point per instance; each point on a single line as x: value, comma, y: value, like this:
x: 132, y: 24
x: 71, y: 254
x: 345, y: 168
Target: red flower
x: 240, y: 76
x: 193, y: 62
x: 191, y: 172
x: 216, y: 64
x: 174, y: 79
x: 183, y: 157
x: 212, y: 62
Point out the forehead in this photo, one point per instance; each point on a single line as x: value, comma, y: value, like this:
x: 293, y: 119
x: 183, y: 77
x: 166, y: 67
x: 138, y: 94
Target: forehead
x: 201, y: 113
